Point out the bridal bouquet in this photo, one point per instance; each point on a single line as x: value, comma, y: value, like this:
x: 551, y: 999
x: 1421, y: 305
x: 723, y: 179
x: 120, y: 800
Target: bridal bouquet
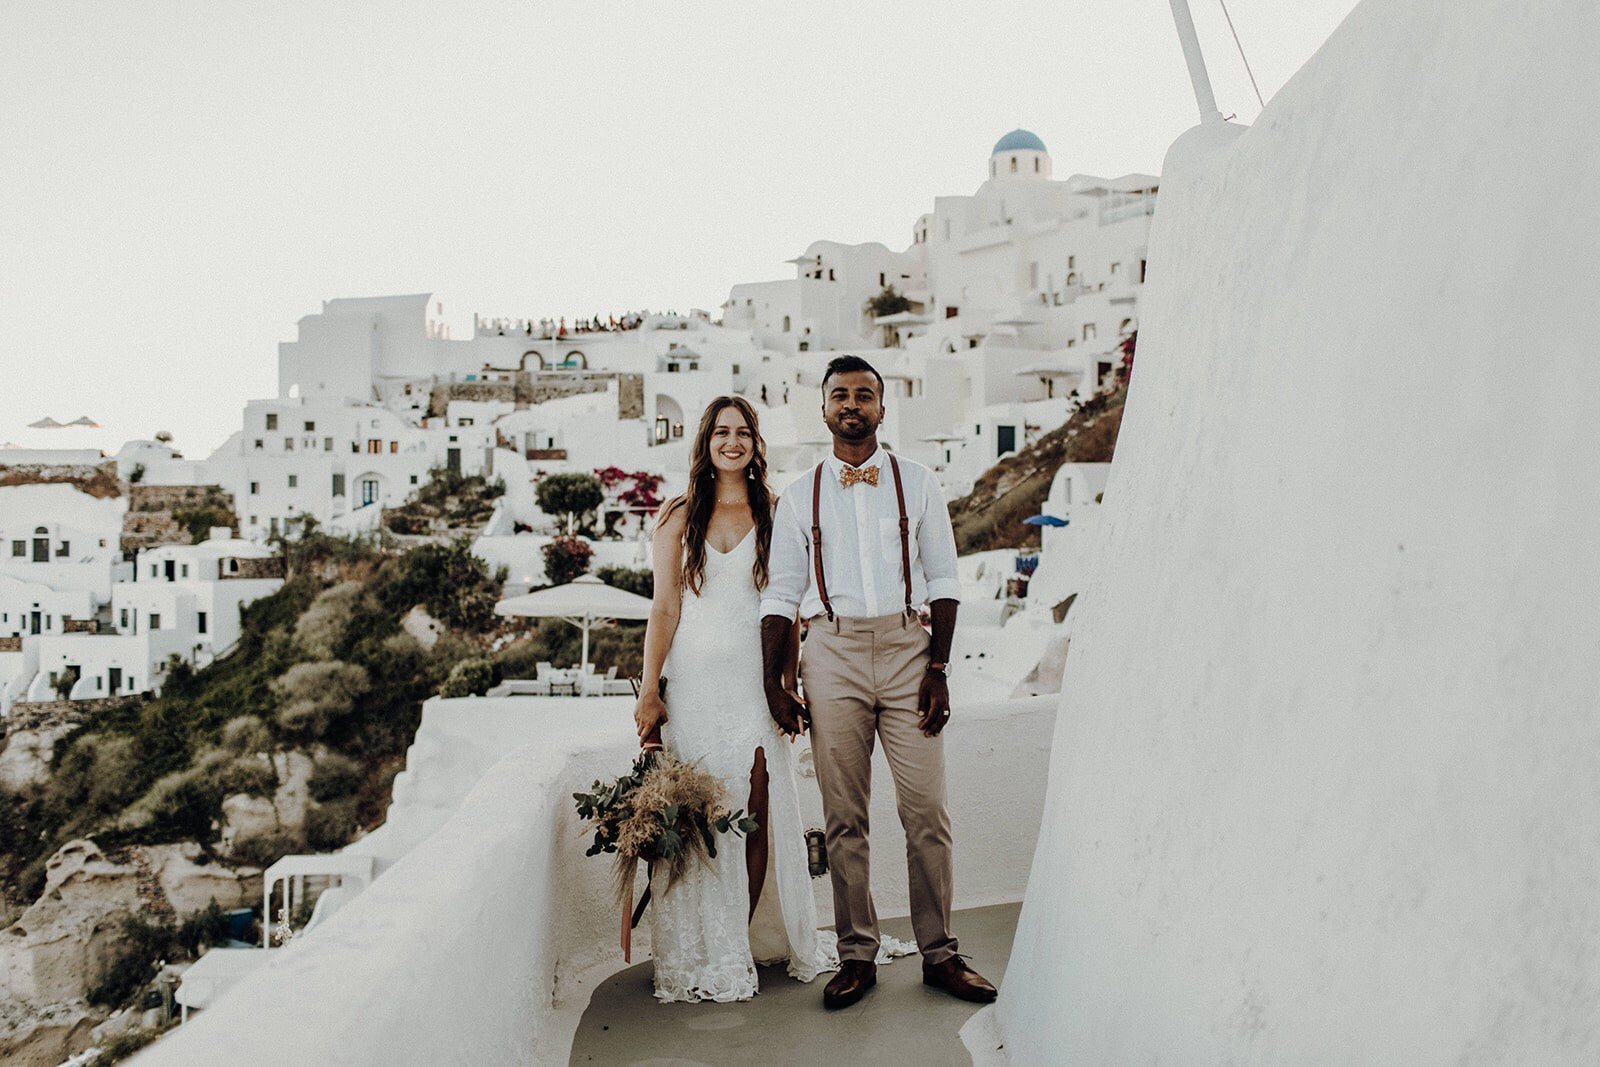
x: 665, y: 812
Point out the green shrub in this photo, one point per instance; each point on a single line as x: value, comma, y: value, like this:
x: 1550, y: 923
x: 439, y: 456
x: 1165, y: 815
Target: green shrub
x: 452, y: 584
x: 314, y: 695
x: 334, y: 776
x: 199, y: 519
x: 246, y: 735
x: 143, y: 942
x: 330, y: 826
x: 321, y: 628
x: 566, y: 558
x: 202, y: 929
x: 470, y: 677
x: 264, y: 850
x: 640, y: 581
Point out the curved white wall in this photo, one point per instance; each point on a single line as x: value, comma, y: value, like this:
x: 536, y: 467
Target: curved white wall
x: 482, y: 943
x: 1329, y: 782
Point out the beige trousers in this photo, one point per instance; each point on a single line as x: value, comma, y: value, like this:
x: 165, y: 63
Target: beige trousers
x: 861, y: 678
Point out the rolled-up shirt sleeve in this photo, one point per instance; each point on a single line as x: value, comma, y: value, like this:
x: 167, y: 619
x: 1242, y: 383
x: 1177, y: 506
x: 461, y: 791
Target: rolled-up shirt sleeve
x: 936, y: 545
x: 788, y: 560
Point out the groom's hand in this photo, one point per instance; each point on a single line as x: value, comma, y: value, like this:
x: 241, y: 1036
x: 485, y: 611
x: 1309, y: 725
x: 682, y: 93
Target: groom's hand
x: 933, y: 703
x: 786, y: 710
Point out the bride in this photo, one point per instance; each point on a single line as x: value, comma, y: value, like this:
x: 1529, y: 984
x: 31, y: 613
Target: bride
x: 710, y: 559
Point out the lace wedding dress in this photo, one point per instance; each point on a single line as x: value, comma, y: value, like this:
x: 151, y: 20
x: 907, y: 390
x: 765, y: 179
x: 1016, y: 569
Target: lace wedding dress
x: 717, y: 717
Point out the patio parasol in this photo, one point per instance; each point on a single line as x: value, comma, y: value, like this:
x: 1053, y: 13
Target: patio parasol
x: 585, y: 602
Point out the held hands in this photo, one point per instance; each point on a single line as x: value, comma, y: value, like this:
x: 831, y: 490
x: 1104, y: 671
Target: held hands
x: 933, y: 704
x: 787, y: 710
x: 649, y: 714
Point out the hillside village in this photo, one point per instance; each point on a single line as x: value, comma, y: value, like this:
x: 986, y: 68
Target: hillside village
x: 208, y: 665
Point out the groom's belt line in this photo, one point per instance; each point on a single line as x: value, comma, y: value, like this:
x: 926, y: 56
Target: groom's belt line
x: 864, y: 624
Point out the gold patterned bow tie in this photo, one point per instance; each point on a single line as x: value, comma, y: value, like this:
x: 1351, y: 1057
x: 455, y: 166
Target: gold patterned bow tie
x: 849, y: 476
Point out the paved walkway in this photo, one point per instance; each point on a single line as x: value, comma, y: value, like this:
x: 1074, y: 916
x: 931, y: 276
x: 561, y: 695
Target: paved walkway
x: 901, y: 1021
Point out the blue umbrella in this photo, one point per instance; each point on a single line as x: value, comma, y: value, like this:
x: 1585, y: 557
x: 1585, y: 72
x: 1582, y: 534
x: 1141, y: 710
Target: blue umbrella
x: 1045, y: 520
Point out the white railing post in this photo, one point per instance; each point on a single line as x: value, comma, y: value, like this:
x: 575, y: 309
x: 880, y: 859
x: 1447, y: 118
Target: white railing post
x: 1196, y: 62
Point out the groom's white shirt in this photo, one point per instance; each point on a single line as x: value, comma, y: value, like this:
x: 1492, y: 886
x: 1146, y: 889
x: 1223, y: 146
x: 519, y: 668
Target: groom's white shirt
x: 861, y: 544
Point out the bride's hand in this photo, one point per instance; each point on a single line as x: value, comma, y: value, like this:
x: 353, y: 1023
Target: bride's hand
x: 649, y: 713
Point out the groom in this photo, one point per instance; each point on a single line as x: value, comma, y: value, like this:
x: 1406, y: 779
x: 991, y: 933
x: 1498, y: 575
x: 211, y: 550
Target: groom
x: 857, y: 545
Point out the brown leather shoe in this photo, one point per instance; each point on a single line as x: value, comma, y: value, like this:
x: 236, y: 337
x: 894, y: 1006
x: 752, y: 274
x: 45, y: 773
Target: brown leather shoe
x: 956, y: 978
x: 855, y: 977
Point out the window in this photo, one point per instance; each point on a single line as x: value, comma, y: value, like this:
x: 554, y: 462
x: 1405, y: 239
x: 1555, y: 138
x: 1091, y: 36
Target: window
x: 1072, y: 261
x: 185, y: 571
x: 19, y: 548
x: 154, y: 570
x: 1036, y: 164
x: 1116, y: 268
x: 1072, y: 278
x: 374, y: 446
x: 830, y: 274
x: 394, y: 446
x: 260, y: 444
x: 272, y: 526
x: 736, y: 368
x: 1033, y: 275
x: 155, y: 621
x: 64, y: 549
x: 200, y: 621
x: 413, y: 479
x: 369, y: 491
x: 694, y: 365
x: 1088, y: 331
x: 327, y: 444
x: 311, y: 427
x: 255, y: 488
x: 253, y: 521
x: 288, y: 444
x: 1141, y: 272
x: 355, y: 446
x: 272, y: 421
x: 672, y: 368
x: 786, y: 324
x: 338, y: 485
x: 1013, y: 164
x: 463, y: 422
x: 122, y: 620
x: 881, y: 281
x: 294, y: 481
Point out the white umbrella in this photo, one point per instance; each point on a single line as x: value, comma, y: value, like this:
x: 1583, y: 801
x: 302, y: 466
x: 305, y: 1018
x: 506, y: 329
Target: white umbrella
x: 584, y: 602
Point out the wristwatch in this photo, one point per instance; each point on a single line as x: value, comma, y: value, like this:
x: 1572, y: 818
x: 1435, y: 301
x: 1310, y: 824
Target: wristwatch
x: 939, y: 668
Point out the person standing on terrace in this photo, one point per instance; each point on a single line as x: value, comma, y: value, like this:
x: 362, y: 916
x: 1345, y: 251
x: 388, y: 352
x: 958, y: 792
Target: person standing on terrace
x: 857, y: 546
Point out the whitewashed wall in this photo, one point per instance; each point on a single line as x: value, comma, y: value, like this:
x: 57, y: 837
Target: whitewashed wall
x: 1328, y: 787
x: 483, y: 942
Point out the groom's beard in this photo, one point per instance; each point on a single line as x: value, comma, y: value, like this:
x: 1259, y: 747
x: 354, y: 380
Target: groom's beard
x: 858, y: 430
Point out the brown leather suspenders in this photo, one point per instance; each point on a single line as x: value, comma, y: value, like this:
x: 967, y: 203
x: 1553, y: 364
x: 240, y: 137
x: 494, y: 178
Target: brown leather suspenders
x: 816, y: 535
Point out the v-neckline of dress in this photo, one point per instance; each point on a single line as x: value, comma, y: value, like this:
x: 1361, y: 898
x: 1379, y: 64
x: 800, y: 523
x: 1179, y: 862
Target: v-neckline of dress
x: 735, y: 548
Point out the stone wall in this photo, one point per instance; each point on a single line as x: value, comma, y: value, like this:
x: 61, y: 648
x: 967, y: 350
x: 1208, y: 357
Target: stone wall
x: 630, y: 396
x: 97, y: 480
x: 149, y: 522
x: 266, y: 567
x: 10, y: 644
x: 32, y: 715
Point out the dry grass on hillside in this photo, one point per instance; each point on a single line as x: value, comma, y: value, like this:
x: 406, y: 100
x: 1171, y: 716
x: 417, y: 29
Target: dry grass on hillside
x: 991, y: 516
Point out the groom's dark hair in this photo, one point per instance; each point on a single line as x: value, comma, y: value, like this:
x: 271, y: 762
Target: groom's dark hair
x: 849, y: 365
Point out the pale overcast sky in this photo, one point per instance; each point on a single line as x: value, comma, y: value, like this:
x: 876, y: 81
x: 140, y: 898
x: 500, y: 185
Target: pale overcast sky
x: 183, y: 180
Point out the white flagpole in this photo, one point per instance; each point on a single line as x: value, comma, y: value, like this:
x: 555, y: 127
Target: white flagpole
x: 1196, y: 61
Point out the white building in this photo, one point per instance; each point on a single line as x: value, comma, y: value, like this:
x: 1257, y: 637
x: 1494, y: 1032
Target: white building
x: 1020, y: 296
x: 184, y: 600
x: 60, y: 547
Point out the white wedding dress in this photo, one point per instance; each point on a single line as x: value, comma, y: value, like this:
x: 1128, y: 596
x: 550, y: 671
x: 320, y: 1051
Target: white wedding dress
x: 717, y: 717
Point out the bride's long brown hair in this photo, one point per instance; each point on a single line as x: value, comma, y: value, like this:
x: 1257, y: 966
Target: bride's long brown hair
x: 701, y: 498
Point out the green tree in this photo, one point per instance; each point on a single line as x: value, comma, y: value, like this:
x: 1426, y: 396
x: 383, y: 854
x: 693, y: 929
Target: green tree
x: 888, y: 302
x: 570, y: 498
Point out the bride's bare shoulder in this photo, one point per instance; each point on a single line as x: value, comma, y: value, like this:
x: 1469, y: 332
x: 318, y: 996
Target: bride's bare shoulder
x: 672, y: 517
